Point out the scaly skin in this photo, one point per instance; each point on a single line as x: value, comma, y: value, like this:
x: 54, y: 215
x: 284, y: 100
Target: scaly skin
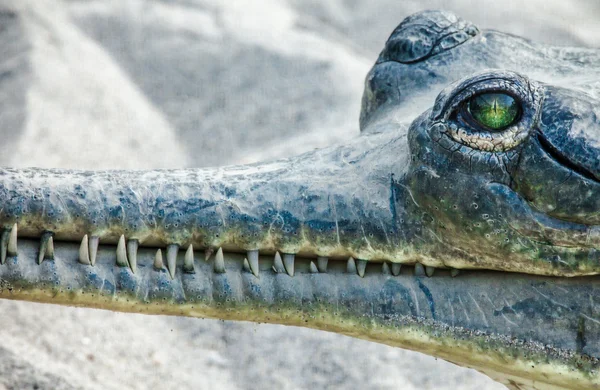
x: 325, y: 233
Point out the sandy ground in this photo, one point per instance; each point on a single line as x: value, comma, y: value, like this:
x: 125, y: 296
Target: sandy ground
x: 148, y: 83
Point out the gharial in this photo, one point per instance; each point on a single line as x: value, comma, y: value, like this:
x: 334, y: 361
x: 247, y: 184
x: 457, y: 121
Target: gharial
x: 479, y: 151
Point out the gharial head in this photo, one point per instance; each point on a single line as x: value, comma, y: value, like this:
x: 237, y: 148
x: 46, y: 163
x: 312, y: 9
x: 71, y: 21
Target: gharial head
x: 479, y: 150
x: 505, y: 166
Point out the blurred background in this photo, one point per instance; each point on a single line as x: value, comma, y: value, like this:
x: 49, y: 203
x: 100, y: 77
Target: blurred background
x: 100, y: 84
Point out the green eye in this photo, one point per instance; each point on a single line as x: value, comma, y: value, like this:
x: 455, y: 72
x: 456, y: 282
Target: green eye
x: 494, y: 110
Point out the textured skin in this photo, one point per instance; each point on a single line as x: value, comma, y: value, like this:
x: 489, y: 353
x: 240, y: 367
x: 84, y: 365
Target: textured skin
x: 413, y: 188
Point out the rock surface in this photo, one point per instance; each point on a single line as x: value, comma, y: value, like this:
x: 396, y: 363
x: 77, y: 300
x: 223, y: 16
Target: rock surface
x: 147, y: 83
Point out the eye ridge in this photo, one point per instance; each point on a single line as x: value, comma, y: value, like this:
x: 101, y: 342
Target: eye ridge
x: 491, y: 101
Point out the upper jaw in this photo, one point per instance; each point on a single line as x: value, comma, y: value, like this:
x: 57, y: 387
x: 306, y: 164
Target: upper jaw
x: 332, y: 202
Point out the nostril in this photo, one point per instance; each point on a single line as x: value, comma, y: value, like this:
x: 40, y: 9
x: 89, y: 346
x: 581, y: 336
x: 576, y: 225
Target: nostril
x: 564, y: 161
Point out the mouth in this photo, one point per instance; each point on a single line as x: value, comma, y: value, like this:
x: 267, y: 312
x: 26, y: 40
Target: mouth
x: 229, y: 272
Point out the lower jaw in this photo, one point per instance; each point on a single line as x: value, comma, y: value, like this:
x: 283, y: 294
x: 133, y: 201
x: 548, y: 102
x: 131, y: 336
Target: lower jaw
x: 446, y: 317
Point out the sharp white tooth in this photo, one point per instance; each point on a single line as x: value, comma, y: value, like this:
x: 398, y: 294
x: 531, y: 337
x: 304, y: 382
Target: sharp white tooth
x: 12, y: 242
x: 278, y: 264
x: 219, y: 266
x: 396, y: 267
x: 208, y: 253
x: 313, y: 268
x: 429, y: 271
x: 122, y: 253
x: 50, y: 248
x: 45, y: 239
x: 454, y: 272
x: 84, y: 255
x: 288, y: 263
x: 385, y: 268
x: 132, y: 248
x: 4, y: 245
x: 158, y: 260
x: 188, y: 261
x: 172, y: 250
x: 253, y: 261
x: 246, y: 265
x: 94, y: 241
x: 419, y: 269
x: 42, y: 251
x: 322, y: 264
x: 351, y: 266
x: 361, y: 266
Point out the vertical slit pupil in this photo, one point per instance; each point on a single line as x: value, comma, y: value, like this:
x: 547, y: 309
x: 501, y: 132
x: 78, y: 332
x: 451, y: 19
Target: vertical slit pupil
x: 495, y: 111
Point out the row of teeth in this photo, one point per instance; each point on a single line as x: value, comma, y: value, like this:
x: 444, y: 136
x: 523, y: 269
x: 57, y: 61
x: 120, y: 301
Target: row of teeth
x: 126, y: 256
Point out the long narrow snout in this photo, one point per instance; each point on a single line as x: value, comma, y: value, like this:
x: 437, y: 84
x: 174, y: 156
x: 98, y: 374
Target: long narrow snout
x: 334, y: 202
